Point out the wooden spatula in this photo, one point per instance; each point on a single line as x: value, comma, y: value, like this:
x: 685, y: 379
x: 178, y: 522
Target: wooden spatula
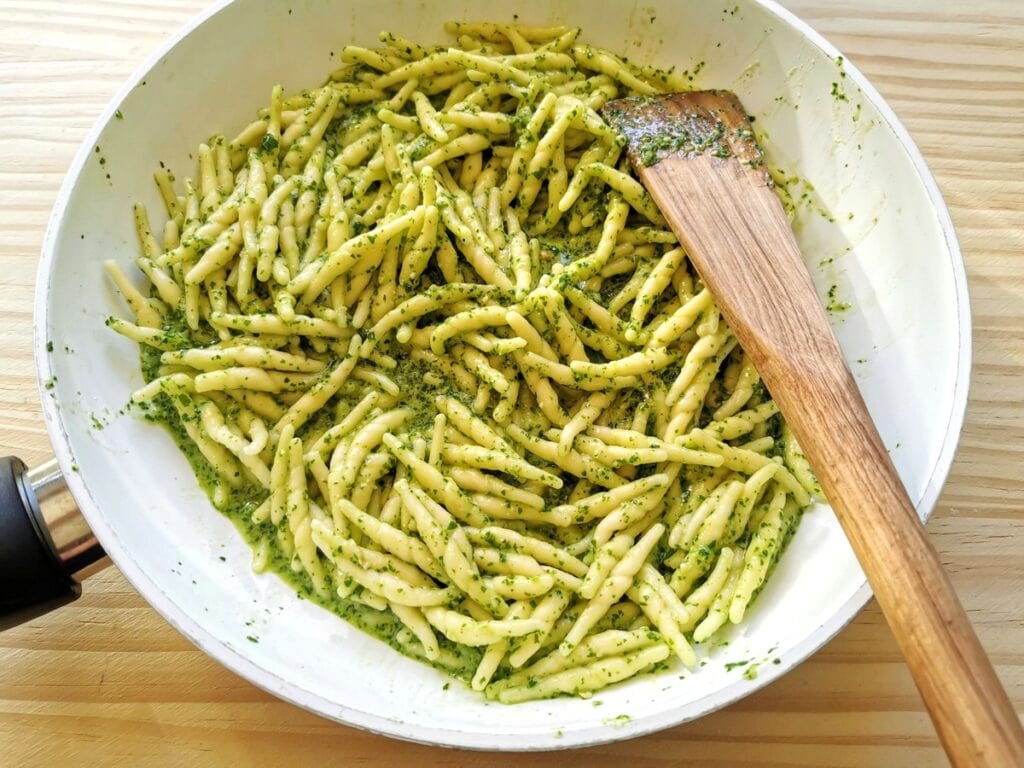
x: 696, y: 155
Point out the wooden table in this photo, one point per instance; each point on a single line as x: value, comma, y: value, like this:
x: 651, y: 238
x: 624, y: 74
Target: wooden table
x: 107, y: 682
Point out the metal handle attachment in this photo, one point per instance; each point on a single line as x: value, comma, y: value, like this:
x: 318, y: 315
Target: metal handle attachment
x: 44, y: 541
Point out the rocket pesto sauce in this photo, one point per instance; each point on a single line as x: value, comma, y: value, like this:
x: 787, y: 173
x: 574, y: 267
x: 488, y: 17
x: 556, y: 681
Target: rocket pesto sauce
x: 458, y: 661
x: 559, y: 247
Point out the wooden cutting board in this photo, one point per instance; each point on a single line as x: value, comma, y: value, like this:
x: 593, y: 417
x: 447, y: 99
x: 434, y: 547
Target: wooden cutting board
x: 107, y: 682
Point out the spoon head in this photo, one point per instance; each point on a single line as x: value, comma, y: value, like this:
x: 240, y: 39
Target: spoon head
x: 685, y: 125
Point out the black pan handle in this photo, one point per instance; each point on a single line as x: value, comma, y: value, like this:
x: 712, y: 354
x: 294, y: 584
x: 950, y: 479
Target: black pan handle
x: 44, y: 542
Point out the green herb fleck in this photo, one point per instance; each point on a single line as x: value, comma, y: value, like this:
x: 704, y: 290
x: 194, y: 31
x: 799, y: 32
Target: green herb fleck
x: 834, y: 304
x: 268, y: 143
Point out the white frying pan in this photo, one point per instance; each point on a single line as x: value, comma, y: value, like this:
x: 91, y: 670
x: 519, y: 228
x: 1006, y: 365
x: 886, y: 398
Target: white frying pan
x: 890, y: 251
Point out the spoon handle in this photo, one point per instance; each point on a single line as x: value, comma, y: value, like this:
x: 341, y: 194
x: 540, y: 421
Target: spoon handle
x: 739, y: 239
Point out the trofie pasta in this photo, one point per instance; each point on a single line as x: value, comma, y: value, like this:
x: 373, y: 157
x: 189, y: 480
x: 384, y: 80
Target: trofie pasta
x: 430, y: 344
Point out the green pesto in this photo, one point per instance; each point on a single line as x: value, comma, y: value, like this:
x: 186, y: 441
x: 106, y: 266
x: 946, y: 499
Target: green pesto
x: 268, y: 144
x: 456, y: 660
x: 560, y: 245
x: 655, y: 132
x: 618, y: 720
x: 834, y: 305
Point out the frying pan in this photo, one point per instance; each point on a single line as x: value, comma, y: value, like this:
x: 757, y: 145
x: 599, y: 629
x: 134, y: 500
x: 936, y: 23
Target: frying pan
x: 870, y: 222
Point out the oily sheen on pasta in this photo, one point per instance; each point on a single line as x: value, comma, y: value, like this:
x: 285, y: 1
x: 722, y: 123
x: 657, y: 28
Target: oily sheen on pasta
x: 431, y: 345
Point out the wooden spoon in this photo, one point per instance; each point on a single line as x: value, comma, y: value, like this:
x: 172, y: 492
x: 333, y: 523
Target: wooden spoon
x: 696, y: 155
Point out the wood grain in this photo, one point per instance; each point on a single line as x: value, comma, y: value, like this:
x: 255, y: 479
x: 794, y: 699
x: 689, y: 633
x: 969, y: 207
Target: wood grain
x: 737, y: 235
x: 107, y: 682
